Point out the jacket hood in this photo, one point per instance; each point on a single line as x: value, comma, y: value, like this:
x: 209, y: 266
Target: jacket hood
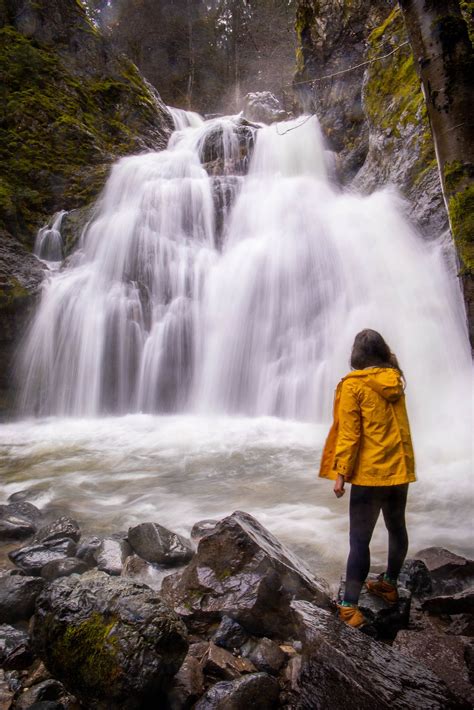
x: 386, y: 381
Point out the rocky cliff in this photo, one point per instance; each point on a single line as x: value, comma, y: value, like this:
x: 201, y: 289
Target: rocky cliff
x: 70, y: 107
x: 370, y: 105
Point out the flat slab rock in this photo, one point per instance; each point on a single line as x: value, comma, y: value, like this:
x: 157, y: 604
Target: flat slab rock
x: 242, y: 571
x: 445, y: 655
x: 344, y: 669
x: 32, y: 558
x: 114, y: 643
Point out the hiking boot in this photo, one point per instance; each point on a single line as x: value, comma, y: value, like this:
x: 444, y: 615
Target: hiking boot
x: 383, y: 589
x: 352, y: 616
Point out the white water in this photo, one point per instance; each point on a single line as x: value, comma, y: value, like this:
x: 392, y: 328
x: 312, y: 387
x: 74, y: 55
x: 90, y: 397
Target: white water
x: 161, y: 314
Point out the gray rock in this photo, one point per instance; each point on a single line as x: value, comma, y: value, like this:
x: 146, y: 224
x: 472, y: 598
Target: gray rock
x: 18, y: 596
x: 18, y: 520
x: 59, y: 528
x: 242, y: 571
x: 258, y: 691
x: 15, y: 650
x: 88, y: 549
x: 112, y: 554
x: 263, y: 106
x: 187, y: 686
x: 112, y: 642
x: 201, y: 528
x: 33, y: 558
x: 46, y: 693
x: 461, y: 624
x: 461, y: 603
x: 344, y: 669
x: 267, y: 656
x: 157, y: 544
x: 6, y: 693
x: 219, y: 663
x: 450, y: 573
x: 230, y: 634
x: 63, y: 568
x: 213, y: 150
x: 415, y: 577
x: 444, y: 655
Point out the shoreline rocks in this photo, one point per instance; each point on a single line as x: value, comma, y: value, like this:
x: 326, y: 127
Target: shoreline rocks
x: 243, y: 624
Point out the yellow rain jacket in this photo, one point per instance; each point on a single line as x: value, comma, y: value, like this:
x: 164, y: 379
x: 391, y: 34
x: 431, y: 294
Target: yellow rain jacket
x: 369, y: 442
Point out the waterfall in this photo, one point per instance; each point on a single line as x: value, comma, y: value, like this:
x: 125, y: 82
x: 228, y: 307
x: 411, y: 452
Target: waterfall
x: 49, y: 243
x: 228, y: 274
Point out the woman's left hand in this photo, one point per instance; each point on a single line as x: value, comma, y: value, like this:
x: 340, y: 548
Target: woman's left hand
x: 339, y: 486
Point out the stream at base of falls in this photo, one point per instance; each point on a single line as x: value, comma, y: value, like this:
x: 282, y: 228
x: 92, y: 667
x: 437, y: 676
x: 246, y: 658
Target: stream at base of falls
x: 111, y: 473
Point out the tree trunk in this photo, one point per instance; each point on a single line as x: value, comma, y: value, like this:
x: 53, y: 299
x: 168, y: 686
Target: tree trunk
x: 444, y: 58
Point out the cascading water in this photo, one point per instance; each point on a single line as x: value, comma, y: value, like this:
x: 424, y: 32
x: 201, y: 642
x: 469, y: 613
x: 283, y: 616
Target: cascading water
x: 153, y: 317
x: 237, y: 289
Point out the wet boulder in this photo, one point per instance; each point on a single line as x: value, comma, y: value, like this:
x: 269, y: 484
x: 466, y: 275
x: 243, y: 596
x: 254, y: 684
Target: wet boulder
x: 242, y: 571
x: 450, y: 573
x: 112, y: 553
x: 44, y: 695
x: 219, y: 663
x: 461, y: 603
x: 154, y: 543
x: 266, y: 655
x: 230, y: 634
x: 201, y: 528
x: 88, y: 549
x: 63, y: 568
x: 18, y: 595
x: 258, y: 691
x: 32, y: 558
x: 415, y: 576
x: 59, y: 528
x: 18, y: 520
x: 343, y: 668
x: 112, y: 642
x: 15, y: 650
x: 187, y: 686
x: 263, y: 106
x: 226, y: 149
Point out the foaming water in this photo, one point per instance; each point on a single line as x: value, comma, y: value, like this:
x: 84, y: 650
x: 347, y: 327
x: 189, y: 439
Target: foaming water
x: 114, y: 472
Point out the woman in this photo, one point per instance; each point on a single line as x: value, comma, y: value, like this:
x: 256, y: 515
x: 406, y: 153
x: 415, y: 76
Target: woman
x: 369, y: 445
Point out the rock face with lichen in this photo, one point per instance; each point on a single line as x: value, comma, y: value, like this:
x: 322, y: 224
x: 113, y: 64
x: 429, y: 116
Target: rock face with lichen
x: 69, y: 107
x: 113, y: 642
x: 373, y: 116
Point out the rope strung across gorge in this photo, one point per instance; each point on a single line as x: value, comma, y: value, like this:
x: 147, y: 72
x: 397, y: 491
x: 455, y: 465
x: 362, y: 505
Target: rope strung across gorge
x: 356, y: 66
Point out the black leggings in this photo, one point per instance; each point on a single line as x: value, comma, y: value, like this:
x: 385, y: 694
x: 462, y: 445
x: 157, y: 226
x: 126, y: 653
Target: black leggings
x: 365, y: 505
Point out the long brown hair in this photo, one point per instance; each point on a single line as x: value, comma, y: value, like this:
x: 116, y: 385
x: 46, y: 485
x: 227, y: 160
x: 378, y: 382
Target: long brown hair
x: 371, y: 350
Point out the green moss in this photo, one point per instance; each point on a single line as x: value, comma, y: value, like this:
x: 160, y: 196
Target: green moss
x: 12, y: 292
x: 393, y: 97
x: 61, y: 130
x: 461, y: 214
x: 306, y: 12
x: 455, y: 174
x: 467, y: 9
x: 89, y: 652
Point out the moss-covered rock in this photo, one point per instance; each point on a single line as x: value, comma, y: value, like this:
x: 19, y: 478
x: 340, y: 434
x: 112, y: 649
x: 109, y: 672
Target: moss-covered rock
x: 69, y: 109
x: 114, y: 643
